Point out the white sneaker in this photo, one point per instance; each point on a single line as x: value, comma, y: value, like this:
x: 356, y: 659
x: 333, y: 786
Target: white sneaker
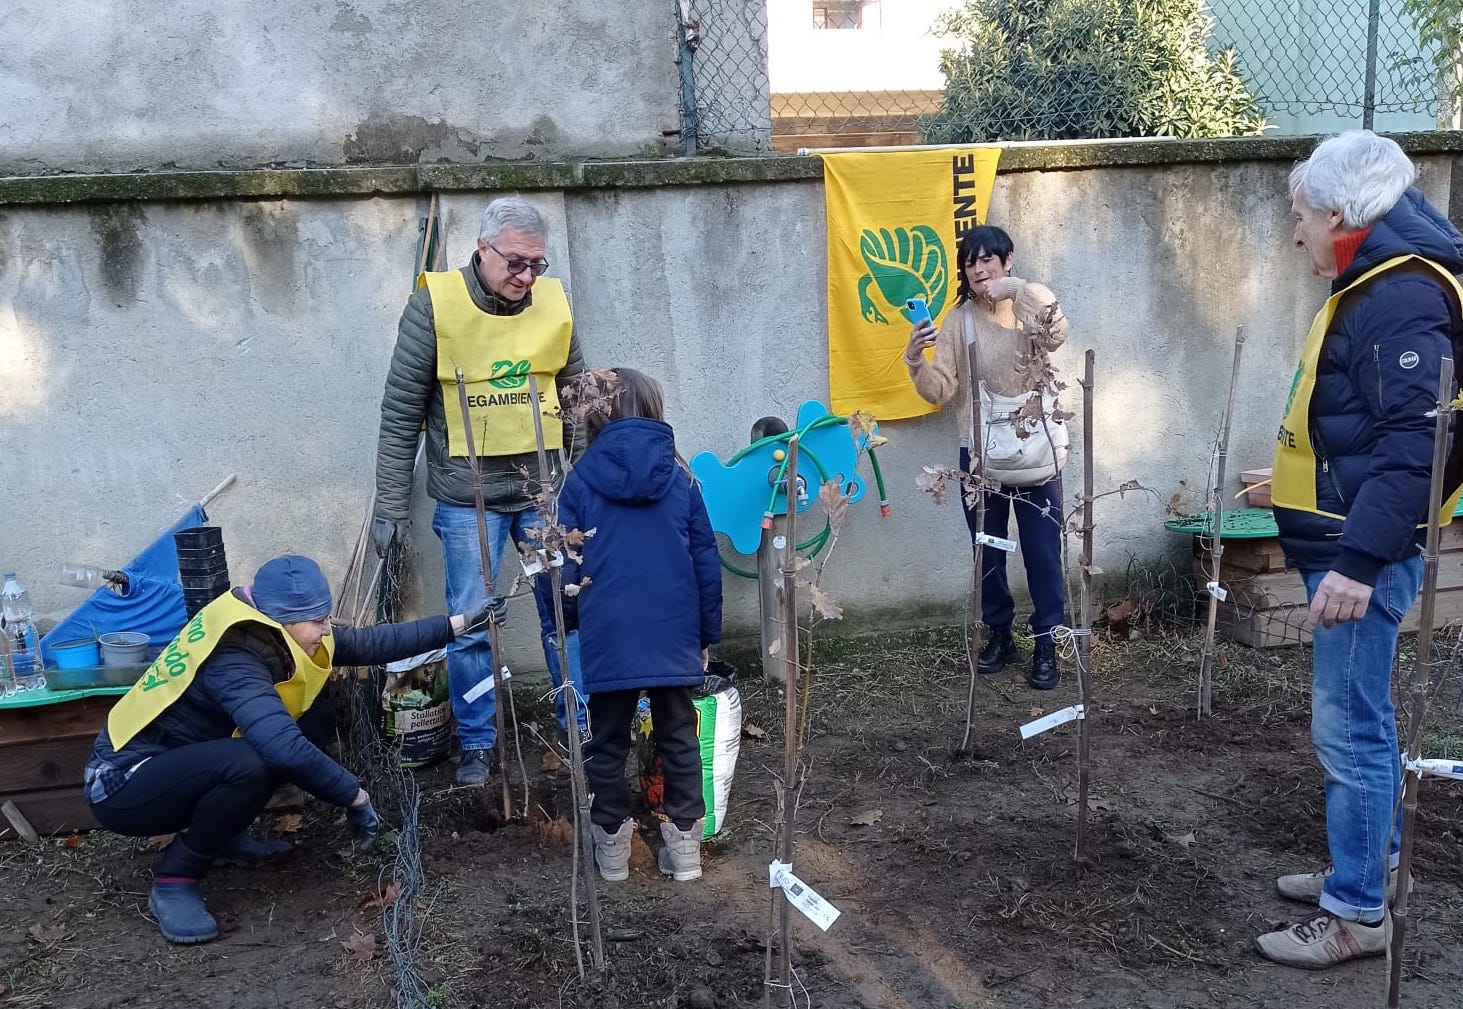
x: 1306, y: 886
x: 1324, y: 940
x: 612, y: 851
x: 680, y: 858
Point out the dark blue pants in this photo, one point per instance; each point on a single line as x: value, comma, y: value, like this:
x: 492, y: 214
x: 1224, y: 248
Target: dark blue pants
x: 1039, y: 531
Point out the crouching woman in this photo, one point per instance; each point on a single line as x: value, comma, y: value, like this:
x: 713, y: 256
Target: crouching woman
x: 202, y: 740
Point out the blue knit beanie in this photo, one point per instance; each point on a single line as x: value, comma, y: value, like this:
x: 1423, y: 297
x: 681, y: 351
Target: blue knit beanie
x: 291, y: 589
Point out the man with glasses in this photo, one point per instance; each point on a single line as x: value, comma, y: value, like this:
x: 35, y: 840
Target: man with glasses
x: 499, y: 320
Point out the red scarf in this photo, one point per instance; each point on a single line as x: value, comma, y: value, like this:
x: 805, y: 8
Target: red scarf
x: 1345, y: 248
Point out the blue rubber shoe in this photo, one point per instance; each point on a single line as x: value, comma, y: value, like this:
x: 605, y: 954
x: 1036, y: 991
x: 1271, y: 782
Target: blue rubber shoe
x: 180, y: 913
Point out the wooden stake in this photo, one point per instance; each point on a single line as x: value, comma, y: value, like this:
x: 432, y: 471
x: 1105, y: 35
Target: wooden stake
x: 499, y: 685
x: 19, y: 822
x: 1420, y: 682
x: 571, y: 708
x: 1084, y: 616
x: 1216, y: 549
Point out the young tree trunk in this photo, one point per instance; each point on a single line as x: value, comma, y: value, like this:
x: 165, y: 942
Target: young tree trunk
x: 789, y: 787
x: 1084, y: 617
x: 1216, y: 550
x: 1420, y: 682
x: 977, y: 581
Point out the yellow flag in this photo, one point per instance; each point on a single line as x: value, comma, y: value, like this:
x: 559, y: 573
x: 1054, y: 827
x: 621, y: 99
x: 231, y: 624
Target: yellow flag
x: 895, y: 219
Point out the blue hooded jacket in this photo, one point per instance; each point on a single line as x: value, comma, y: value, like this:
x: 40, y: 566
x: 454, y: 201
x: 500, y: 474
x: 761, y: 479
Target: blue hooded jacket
x: 654, y: 595
x: 1376, y: 382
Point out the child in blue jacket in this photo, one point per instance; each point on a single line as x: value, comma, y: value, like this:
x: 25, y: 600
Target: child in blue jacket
x: 649, y: 607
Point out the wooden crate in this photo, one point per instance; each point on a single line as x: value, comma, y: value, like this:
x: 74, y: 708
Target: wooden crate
x: 1266, y: 604
x: 43, y: 753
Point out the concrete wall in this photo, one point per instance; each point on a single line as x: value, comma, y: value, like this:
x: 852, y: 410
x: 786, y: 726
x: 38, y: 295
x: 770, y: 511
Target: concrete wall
x: 147, y: 350
x: 197, y: 84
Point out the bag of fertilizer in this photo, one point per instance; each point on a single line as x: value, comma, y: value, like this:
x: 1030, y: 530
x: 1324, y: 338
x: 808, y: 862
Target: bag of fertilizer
x: 719, y: 731
x: 417, y: 713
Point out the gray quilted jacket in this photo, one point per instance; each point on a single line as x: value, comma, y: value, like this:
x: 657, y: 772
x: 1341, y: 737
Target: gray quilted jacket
x: 413, y: 394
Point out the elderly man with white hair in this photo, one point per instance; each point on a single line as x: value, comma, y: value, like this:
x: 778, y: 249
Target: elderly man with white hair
x: 499, y: 320
x: 1352, y: 466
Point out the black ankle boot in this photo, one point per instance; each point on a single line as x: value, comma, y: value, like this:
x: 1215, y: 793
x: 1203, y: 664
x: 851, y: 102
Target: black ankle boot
x: 1044, y: 672
x: 998, y: 651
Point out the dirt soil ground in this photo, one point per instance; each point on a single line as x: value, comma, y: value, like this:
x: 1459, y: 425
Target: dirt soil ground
x: 954, y: 872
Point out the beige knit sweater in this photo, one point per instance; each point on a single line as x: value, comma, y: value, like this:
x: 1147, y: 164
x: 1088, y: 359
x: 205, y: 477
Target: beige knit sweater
x: 1018, y: 327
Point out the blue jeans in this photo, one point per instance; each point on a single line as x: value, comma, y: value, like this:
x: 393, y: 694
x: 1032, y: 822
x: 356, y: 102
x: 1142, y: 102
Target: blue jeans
x: 1354, y: 729
x: 1039, y: 531
x: 470, y: 658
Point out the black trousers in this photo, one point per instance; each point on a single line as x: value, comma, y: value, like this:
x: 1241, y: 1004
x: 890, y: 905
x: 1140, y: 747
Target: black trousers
x: 674, y: 717
x: 208, y: 791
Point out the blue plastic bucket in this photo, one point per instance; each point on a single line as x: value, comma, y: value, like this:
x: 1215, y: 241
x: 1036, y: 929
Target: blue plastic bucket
x: 82, y: 654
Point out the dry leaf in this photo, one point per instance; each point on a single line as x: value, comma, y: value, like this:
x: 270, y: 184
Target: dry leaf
x: 49, y: 935
x: 1182, y: 840
x: 826, y: 606
x: 289, y: 823
x: 551, y: 763
x: 1037, y: 712
x: 161, y: 840
x: 381, y: 898
x: 775, y: 648
x: 752, y: 731
x: 362, y: 946
x: 867, y: 818
x: 934, y: 481
x: 833, y: 501
x: 1152, y: 710
x: 74, y: 841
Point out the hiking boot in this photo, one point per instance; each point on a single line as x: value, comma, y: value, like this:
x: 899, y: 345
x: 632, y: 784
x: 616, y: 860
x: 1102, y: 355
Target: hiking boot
x: 680, y: 858
x: 178, y: 907
x: 612, y: 851
x: 999, y: 650
x: 1306, y: 886
x: 1045, y: 674
x: 244, y: 849
x: 1324, y: 940
x: 474, y: 770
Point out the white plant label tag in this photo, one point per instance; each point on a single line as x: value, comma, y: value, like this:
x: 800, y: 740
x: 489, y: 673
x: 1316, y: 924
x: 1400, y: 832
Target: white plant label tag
x: 1047, y: 722
x: 1217, y: 591
x: 484, y: 686
x: 986, y: 539
x: 531, y: 568
x: 802, y: 896
x: 1440, y: 768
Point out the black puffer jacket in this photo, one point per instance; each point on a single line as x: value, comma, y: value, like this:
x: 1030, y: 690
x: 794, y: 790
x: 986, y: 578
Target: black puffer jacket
x: 1376, y: 382
x: 234, y: 688
x: 414, y: 394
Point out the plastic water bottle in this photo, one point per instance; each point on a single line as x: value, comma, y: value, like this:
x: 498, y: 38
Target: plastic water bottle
x: 83, y: 576
x: 20, y: 634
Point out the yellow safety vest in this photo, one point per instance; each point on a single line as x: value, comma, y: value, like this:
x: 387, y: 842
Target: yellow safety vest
x: 172, y: 672
x: 497, y: 353
x: 1293, y: 484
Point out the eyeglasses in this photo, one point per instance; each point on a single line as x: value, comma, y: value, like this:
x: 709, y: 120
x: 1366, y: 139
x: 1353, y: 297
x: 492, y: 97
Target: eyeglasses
x: 517, y: 266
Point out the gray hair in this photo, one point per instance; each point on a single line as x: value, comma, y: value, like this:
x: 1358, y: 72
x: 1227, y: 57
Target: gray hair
x: 515, y: 213
x: 1358, y: 173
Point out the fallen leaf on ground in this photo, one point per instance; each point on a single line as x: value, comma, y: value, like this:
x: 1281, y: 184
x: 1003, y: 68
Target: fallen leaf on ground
x: 381, y: 898
x: 1182, y: 840
x: 867, y: 818
x: 551, y: 762
x: 289, y: 823
x: 362, y: 946
x: 161, y: 840
x: 1037, y: 711
x: 50, y: 935
x: 74, y: 841
x: 753, y: 732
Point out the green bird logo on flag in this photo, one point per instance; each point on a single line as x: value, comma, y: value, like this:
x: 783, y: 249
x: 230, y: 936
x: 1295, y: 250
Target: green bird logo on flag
x: 903, y: 263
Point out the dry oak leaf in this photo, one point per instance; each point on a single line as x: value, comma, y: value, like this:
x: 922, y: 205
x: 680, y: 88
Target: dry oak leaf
x: 74, y: 841
x: 752, y: 731
x: 867, y: 818
x: 362, y: 946
x: 48, y: 935
x: 826, y: 606
x: 1037, y: 712
x: 381, y: 898
x: 289, y: 823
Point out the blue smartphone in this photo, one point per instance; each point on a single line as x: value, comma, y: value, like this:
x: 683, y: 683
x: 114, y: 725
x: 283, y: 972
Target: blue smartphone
x: 919, y: 312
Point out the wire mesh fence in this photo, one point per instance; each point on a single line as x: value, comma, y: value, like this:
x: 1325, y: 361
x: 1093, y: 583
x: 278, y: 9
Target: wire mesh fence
x: 817, y: 75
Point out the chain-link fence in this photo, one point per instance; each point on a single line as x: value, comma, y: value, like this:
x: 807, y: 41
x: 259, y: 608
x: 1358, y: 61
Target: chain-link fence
x: 757, y: 75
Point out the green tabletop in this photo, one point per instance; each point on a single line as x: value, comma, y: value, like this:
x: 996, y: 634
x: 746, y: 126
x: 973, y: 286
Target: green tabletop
x: 39, y: 698
x: 1241, y: 523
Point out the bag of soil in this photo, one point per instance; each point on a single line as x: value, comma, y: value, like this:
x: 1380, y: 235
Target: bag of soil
x: 418, y: 716
x: 719, y: 731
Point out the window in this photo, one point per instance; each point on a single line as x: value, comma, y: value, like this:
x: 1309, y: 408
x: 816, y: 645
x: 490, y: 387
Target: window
x: 838, y: 13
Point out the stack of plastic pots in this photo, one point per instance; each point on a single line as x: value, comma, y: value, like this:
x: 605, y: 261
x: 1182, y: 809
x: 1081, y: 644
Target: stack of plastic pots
x: 203, y: 569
